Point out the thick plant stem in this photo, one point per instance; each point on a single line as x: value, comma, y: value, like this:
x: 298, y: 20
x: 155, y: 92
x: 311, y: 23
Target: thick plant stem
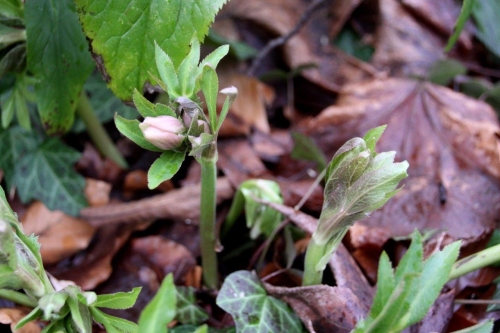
x: 314, y: 253
x: 207, y: 222
x: 475, y: 261
x: 18, y: 298
x: 97, y: 132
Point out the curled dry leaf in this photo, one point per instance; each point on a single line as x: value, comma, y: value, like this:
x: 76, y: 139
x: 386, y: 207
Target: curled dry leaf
x: 97, y: 192
x: 59, y: 234
x: 11, y: 316
x: 449, y: 140
x: 321, y: 308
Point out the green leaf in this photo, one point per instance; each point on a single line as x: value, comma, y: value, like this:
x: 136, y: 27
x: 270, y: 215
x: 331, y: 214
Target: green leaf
x: 127, y: 48
x: 231, y: 94
x: 15, y: 142
x: 81, y: 319
x: 246, y: 300
x: 305, y: 148
x: 161, y: 310
x: 58, y: 56
x: 460, y: 24
x: 165, y: 167
x: 168, y: 74
x: 187, y: 310
x: 11, y: 8
x: 188, y: 68
x: 145, y: 107
x: 240, y: 50
x: 14, y: 61
x: 104, y: 103
x: 113, y: 324
x: 486, y: 327
x: 385, y: 285
x: 121, y: 300
x: 210, y: 87
x: 34, y: 314
x: 444, y: 70
x: 349, y: 41
x: 485, y: 13
x: 47, y: 174
x: 130, y: 128
x: 412, y: 260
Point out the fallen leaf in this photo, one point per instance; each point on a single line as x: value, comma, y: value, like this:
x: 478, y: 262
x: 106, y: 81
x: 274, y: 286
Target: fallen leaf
x: 93, y: 165
x: 321, y: 308
x: 450, y: 141
x: 60, y: 235
x: 11, y: 316
x: 97, y: 192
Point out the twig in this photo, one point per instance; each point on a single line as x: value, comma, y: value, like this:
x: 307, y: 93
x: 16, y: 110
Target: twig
x: 274, y: 43
x: 477, y: 301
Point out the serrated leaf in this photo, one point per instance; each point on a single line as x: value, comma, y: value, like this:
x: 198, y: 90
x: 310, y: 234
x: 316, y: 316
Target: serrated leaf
x: 305, y: 148
x: 209, y: 83
x: 34, y: 314
x: 168, y: 73
x: 120, y: 300
x: 412, y: 261
x: 15, y: 142
x: 245, y: 299
x: 187, y: 310
x: 47, y: 174
x: 127, y: 49
x: 385, y: 285
x: 161, y: 310
x: 58, y: 56
x: 145, y: 107
x: 485, y: 13
x: 104, y: 103
x: 130, y: 128
x: 113, y: 324
x: 80, y: 314
x: 165, y: 167
x: 188, y: 68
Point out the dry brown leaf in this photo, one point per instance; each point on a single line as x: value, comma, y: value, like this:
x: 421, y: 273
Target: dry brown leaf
x: 97, y: 192
x: 93, y: 165
x: 449, y: 140
x: 322, y: 309
x: 60, y: 235
x: 249, y: 109
x: 167, y: 255
x: 11, y: 316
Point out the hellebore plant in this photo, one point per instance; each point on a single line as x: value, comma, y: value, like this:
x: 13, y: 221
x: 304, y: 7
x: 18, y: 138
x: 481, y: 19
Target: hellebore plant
x: 182, y: 127
x: 358, y: 181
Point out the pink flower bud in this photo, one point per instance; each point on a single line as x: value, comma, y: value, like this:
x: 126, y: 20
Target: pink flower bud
x: 165, y: 132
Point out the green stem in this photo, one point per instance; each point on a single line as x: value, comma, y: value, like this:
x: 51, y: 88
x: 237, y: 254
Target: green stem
x: 475, y: 261
x: 18, y: 298
x: 207, y: 221
x: 314, y: 253
x: 97, y: 132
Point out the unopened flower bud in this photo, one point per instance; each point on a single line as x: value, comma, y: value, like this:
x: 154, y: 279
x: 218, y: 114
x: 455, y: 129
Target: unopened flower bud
x: 165, y: 132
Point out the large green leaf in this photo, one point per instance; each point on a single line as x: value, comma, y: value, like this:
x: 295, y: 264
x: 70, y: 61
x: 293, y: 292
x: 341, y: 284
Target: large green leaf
x: 161, y: 310
x: 123, y: 33
x: 245, y: 299
x: 47, y: 174
x: 15, y: 142
x: 485, y: 13
x: 58, y: 56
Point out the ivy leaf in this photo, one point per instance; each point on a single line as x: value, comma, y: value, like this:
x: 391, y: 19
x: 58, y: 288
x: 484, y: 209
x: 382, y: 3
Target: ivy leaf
x: 161, y: 310
x: 15, y: 142
x: 47, y: 174
x: 187, y: 310
x: 127, y: 49
x: 58, y: 57
x: 245, y: 299
x: 120, y: 300
x: 165, y: 167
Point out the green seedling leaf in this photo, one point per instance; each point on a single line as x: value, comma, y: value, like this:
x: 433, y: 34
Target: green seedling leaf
x: 460, y: 24
x: 200, y: 143
x: 121, y: 300
x: 245, y: 299
x: 443, y: 71
x: 412, y: 261
x: 58, y: 56
x: 113, y: 324
x: 188, y: 68
x: 130, y: 128
x: 349, y: 41
x: 385, y: 285
x: 15, y: 142
x: 168, y: 74
x: 187, y: 310
x: 305, y: 148
x: 486, y: 327
x: 127, y: 48
x: 47, y: 174
x: 104, y: 103
x: 485, y: 13
x: 210, y: 87
x: 231, y: 94
x: 260, y: 218
x: 33, y: 315
x: 14, y: 61
x: 213, y: 59
x: 81, y: 318
x: 52, y: 305
x: 161, y: 310
x: 165, y: 167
